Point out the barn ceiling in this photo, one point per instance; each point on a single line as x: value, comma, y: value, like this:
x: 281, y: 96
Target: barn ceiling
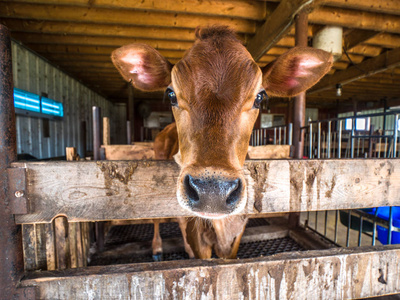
x: 79, y: 35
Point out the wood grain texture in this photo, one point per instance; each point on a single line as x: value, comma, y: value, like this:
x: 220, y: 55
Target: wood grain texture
x: 319, y: 274
x: 107, y: 190
x: 269, y: 152
x: 129, y: 152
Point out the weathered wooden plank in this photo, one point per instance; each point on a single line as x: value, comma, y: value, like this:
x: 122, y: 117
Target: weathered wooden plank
x: 129, y: 152
x: 29, y: 246
x: 50, y: 246
x: 319, y: 274
x: 106, y: 190
x: 269, y: 152
x: 63, y: 254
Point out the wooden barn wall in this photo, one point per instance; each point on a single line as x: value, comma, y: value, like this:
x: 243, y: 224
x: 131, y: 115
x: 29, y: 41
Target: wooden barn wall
x: 34, y: 74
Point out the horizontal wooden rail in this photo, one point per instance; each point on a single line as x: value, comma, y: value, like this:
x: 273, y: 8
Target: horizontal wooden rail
x: 109, y: 190
x: 318, y: 274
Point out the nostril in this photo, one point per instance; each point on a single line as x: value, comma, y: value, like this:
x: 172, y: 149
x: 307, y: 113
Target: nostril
x: 234, y: 195
x: 191, y: 189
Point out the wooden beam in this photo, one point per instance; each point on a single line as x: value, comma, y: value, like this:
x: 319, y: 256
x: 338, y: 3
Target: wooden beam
x: 233, y: 9
x: 391, y: 7
x: 340, y: 273
x: 355, y: 37
x: 35, y: 38
x: 276, y: 26
x: 355, y: 19
x: 70, y: 28
x: 385, y: 40
x: 385, y: 61
x: 120, y: 17
x: 107, y: 190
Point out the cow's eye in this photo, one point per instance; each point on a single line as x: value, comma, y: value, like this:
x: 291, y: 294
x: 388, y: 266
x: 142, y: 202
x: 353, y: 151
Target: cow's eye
x: 172, y: 96
x: 261, y: 96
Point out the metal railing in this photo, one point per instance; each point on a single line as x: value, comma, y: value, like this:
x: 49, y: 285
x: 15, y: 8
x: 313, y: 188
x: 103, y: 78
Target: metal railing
x: 343, y: 138
x: 277, y: 135
x: 333, y: 139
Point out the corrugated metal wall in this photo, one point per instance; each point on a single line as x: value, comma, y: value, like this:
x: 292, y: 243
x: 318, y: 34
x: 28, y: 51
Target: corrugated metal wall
x: 33, y: 74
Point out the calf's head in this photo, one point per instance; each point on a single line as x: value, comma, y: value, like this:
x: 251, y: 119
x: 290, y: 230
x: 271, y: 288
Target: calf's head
x: 215, y: 93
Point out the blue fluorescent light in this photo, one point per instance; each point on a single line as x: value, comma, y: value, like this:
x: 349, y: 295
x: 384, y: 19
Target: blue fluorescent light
x: 52, y: 107
x: 32, y: 102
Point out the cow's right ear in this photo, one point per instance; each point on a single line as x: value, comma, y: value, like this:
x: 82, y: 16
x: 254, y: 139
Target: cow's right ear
x: 143, y: 66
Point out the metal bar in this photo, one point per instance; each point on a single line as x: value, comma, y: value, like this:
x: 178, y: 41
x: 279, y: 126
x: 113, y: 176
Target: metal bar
x: 379, y: 147
x: 360, y: 231
x: 351, y: 138
x: 374, y: 227
x: 11, y: 262
x: 348, y: 228
x: 275, y: 136
x: 290, y: 134
x: 386, y: 147
x: 96, y: 133
x: 280, y: 135
x: 371, y: 131
x: 128, y: 133
x: 390, y: 229
x: 326, y: 222
x: 328, y: 138
x: 284, y: 135
x: 299, y: 106
x: 396, y: 121
x: 310, y: 141
x: 319, y: 140
x: 336, y: 225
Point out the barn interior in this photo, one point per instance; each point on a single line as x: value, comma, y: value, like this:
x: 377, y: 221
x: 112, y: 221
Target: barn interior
x: 61, y: 54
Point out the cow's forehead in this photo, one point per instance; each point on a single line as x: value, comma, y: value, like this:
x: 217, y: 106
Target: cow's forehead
x: 223, y: 70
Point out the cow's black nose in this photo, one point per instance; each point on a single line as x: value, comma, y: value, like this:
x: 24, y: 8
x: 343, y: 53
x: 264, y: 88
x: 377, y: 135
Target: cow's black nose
x: 210, y: 195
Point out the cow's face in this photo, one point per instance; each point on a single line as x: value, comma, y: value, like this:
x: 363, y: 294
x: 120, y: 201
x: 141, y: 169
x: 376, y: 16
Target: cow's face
x: 215, y: 92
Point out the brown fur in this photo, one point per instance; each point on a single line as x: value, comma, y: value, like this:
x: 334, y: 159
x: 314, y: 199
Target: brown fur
x: 216, y: 83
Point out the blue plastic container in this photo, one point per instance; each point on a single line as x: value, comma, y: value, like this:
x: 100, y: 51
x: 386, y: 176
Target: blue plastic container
x: 383, y: 213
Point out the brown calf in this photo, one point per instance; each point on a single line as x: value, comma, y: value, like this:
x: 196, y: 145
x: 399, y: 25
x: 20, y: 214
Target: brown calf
x: 215, y: 93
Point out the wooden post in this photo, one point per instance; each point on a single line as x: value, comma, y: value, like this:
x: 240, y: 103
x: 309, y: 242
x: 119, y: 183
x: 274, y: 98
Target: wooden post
x: 106, y: 131
x: 63, y: 253
x: 299, y: 106
x: 11, y: 262
x: 70, y: 153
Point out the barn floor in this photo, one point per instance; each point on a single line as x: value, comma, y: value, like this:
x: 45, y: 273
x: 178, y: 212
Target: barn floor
x: 132, y: 243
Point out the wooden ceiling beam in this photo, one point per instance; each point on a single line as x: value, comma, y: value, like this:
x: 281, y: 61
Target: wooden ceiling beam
x: 34, y: 38
x: 356, y: 36
x: 48, y: 50
x: 91, y: 29
x: 355, y: 19
x: 255, y: 10
x: 365, y: 50
x: 120, y: 17
x: 387, y: 60
x: 275, y: 27
x: 385, y: 40
x: 379, y: 6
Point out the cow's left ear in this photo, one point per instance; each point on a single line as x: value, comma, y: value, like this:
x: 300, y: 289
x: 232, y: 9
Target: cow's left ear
x: 143, y: 66
x: 296, y: 71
